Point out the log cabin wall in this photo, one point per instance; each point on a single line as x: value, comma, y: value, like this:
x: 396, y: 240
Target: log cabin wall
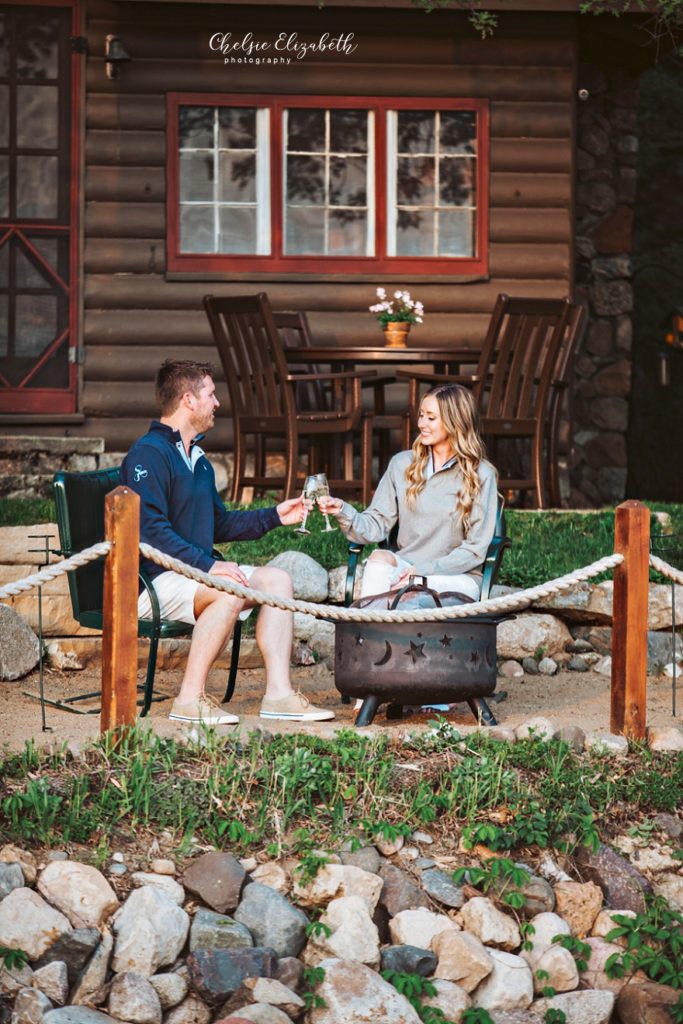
x: 135, y: 315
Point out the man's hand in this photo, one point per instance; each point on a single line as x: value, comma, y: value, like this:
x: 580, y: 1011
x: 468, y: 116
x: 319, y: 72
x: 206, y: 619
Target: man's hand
x: 331, y: 506
x: 293, y: 510
x: 231, y: 570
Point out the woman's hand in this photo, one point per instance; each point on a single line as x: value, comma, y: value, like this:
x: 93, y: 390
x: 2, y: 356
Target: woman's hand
x: 404, y: 579
x: 293, y: 510
x: 329, y: 505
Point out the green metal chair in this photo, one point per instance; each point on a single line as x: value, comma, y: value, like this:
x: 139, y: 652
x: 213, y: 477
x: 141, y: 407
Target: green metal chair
x: 494, y: 556
x: 79, y: 499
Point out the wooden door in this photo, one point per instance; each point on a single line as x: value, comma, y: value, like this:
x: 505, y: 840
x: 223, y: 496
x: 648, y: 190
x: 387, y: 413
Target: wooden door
x: 38, y: 208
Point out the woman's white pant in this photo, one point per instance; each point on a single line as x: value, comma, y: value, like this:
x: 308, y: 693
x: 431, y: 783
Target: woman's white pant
x: 379, y: 576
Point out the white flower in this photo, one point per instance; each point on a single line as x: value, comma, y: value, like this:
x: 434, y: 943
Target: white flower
x: 381, y: 293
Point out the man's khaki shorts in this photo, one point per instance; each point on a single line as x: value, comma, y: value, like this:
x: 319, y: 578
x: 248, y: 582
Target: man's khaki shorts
x: 176, y: 597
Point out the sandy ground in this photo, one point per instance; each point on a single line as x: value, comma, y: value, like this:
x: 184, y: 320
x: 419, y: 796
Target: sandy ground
x: 569, y: 698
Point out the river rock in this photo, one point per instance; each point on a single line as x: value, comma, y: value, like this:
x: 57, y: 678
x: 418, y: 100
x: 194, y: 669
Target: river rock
x: 218, y: 880
x: 79, y: 891
x: 53, y: 982
x: 621, y: 884
x: 573, y: 736
x: 442, y: 888
x: 462, y: 958
x: 90, y: 988
x: 309, y: 579
x: 11, y: 877
x: 353, y: 934
x: 481, y: 918
x: 268, y: 992
x: 666, y: 738
x: 606, y: 742
x: 77, y: 1015
x: 539, y: 897
x: 258, y: 1013
x: 162, y: 866
x: 210, y: 930
x: 367, y: 858
x: 560, y: 966
x: 19, y: 647
x: 218, y: 973
x: 354, y: 994
x: 272, y: 875
x: 272, y: 920
x: 14, y: 979
x: 579, y: 1007
x: 151, y: 930
x: 30, y: 1007
x: 27, y: 922
x: 409, y: 960
x: 419, y: 927
x: 133, y: 999
x: 537, y: 727
x: 399, y: 891
x: 164, y: 883
x: 594, y: 976
x: 191, y: 1011
x: 521, y: 637
x: 579, y: 904
x: 509, y: 986
x: 450, y: 999
x: 646, y: 1002
x: 74, y: 949
x: 334, y: 881
x: 511, y: 669
x: 171, y: 988
x: 388, y: 847
x: 605, y: 923
x: 546, y: 927
x: 670, y: 886
x: 10, y: 854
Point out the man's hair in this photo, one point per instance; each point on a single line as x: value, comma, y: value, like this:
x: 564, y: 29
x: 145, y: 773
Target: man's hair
x: 175, y: 377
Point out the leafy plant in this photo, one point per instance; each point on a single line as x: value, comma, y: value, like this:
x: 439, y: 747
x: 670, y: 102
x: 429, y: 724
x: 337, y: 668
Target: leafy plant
x: 499, y: 876
x: 13, y: 959
x: 312, y: 977
x: 581, y: 951
x: 317, y: 928
x: 554, y: 1015
x: 413, y: 987
x: 477, y: 1015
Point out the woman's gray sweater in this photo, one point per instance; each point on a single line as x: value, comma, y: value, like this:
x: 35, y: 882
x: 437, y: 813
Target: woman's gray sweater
x: 429, y: 535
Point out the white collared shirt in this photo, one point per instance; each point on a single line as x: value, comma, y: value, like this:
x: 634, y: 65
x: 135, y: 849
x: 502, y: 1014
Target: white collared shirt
x: 429, y: 468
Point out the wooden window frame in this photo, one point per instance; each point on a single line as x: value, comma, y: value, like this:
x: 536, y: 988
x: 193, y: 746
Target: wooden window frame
x: 381, y: 263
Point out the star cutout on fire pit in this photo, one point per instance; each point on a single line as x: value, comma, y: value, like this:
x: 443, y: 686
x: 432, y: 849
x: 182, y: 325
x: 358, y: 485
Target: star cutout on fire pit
x: 416, y: 651
x: 473, y: 660
x: 359, y: 640
x: 445, y: 641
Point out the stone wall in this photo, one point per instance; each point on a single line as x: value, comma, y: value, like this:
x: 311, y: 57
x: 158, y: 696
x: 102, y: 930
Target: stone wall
x: 605, y: 197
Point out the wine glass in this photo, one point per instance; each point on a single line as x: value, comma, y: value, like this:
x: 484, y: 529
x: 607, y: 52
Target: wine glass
x: 323, y: 491
x: 310, y: 491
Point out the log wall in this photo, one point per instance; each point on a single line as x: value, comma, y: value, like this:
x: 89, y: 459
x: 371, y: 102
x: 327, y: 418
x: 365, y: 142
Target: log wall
x: 135, y: 316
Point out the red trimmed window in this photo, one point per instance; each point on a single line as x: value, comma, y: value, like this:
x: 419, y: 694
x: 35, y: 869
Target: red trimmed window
x: 294, y: 183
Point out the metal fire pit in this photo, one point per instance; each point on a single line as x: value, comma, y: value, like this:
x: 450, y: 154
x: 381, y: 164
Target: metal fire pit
x: 417, y: 662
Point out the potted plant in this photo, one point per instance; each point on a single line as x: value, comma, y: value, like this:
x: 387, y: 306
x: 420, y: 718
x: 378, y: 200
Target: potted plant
x: 396, y: 316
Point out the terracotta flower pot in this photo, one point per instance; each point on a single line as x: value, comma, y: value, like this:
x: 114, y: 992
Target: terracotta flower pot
x: 396, y: 334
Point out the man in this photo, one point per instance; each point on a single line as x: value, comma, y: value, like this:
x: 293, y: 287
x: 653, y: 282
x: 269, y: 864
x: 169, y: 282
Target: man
x: 182, y: 515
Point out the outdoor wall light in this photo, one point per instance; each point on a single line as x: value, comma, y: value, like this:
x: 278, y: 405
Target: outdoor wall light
x: 583, y: 94
x: 115, y: 54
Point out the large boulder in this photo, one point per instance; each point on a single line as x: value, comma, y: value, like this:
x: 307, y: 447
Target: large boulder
x: 579, y: 1007
x: 19, y: 647
x: 523, y: 636
x: 353, y: 936
x: 509, y: 986
x: 151, y: 930
x: 337, y: 880
x: 272, y: 920
x: 79, y: 891
x: 309, y: 579
x: 351, y: 993
x: 27, y: 922
x: 622, y: 885
x: 218, y: 880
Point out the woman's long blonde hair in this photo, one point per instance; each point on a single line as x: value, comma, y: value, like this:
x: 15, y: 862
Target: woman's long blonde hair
x: 461, y: 421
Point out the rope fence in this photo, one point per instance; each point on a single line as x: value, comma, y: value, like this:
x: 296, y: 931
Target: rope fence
x: 51, y: 572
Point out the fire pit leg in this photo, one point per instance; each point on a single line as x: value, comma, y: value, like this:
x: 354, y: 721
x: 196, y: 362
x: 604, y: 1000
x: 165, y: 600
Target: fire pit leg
x: 482, y: 711
x: 367, y: 711
x: 394, y: 711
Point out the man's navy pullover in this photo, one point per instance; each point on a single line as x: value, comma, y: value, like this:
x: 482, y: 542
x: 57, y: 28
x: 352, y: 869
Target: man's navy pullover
x: 181, y: 512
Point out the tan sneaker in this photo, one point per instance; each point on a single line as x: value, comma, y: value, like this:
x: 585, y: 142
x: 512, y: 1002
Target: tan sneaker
x: 295, y: 708
x: 205, y: 710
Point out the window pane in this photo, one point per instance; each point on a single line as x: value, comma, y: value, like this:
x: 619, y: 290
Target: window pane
x: 28, y: 275
x: 348, y: 181
x: 49, y: 249
x: 349, y: 131
x: 4, y: 328
x: 415, y: 180
x: 415, y: 131
x: 456, y: 181
x: 415, y: 233
x: 305, y: 231
x: 196, y: 176
x: 347, y: 231
x: 306, y: 180
x: 196, y: 229
x: 4, y: 268
x: 4, y: 186
x: 37, y: 186
x: 237, y: 178
x: 4, y: 47
x: 4, y: 115
x: 237, y: 229
x: 195, y: 127
x: 37, y: 119
x: 458, y: 131
x: 36, y: 323
x: 237, y: 127
x: 37, y: 36
x: 306, y: 130
x: 456, y: 233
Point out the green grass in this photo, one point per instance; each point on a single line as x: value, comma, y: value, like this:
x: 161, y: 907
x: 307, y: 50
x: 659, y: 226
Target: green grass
x: 544, y: 544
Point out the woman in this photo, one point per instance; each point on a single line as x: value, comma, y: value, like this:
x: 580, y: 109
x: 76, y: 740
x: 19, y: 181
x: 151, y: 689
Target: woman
x: 442, y: 493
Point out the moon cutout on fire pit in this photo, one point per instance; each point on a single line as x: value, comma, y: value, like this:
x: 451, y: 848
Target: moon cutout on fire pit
x: 385, y: 657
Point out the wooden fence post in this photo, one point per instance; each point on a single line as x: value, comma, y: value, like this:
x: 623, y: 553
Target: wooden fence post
x: 120, y: 626
x: 629, y: 633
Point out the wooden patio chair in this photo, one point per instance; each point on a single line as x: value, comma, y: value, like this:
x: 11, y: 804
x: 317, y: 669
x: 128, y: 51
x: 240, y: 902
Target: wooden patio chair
x: 263, y: 399
x: 527, y: 348
x: 561, y: 398
x: 79, y: 500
